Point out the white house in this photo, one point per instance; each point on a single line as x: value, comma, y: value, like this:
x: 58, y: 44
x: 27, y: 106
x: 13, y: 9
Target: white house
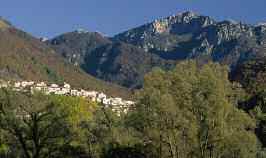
x: 116, y: 101
x: 65, y: 89
x: 41, y: 84
x: 67, y: 86
x: 107, y: 101
x: 101, y: 97
x: 73, y: 92
x: 17, y: 84
x: 79, y: 94
x: 27, y: 83
x: 53, y: 88
x: 92, y: 94
x: 128, y: 103
x: 3, y: 85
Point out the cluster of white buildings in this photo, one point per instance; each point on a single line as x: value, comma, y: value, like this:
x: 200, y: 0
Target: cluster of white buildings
x: 117, y: 104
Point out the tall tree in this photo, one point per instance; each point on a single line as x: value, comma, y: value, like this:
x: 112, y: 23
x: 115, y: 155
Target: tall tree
x: 189, y: 112
x: 108, y: 135
x: 40, y: 125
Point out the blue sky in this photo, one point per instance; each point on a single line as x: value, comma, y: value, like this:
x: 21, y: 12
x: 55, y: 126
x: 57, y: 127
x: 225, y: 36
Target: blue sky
x: 52, y: 17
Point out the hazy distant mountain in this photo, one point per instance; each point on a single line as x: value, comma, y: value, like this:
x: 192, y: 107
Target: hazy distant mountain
x: 159, y: 43
x: 74, y: 46
x: 23, y: 57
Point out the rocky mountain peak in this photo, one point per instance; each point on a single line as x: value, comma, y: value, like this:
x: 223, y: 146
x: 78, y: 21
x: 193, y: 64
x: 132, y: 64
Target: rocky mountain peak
x: 188, y: 16
x: 81, y: 30
x: 261, y: 27
x: 184, y: 18
x: 160, y: 26
x: 261, y: 24
x: 44, y: 39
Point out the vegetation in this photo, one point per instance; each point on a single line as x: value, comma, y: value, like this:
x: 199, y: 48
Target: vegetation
x: 40, y: 129
x: 192, y: 111
x: 122, y: 63
x: 251, y: 75
x: 23, y: 57
x: 189, y: 112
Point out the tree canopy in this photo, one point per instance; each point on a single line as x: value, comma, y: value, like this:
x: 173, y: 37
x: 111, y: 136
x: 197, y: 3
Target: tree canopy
x: 190, y: 112
x: 38, y: 125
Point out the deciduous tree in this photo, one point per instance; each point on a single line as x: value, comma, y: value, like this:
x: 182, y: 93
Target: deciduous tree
x: 190, y: 112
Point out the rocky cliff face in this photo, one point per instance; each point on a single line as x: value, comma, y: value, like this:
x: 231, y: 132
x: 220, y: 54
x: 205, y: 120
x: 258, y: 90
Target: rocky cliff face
x: 161, y: 43
x: 189, y: 35
x: 163, y: 34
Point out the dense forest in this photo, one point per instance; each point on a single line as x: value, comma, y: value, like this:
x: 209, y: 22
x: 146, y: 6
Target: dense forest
x: 192, y: 111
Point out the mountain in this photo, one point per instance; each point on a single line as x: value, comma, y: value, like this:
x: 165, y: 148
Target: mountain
x: 116, y: 62
x: 122, y: 63
x: 189, y: 35
x: 162, y: 43
x: 23, y: 57
x: 74, y: 46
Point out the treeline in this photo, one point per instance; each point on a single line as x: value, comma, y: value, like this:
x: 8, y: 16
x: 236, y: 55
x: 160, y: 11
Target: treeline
x: 190, y: 112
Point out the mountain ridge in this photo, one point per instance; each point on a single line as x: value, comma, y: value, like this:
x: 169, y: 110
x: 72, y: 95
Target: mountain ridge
x: 24, y: 57
x: 183, y: 36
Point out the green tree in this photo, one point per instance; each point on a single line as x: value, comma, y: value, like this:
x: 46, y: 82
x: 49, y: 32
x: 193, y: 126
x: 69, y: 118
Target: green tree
x: 190, y: 112
x: 257, y: 108
x: 40, y: 125
x: 108, y: 136
x: 3, y: 145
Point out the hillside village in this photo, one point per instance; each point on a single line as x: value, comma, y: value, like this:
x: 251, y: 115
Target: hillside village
x: 117, y: 104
